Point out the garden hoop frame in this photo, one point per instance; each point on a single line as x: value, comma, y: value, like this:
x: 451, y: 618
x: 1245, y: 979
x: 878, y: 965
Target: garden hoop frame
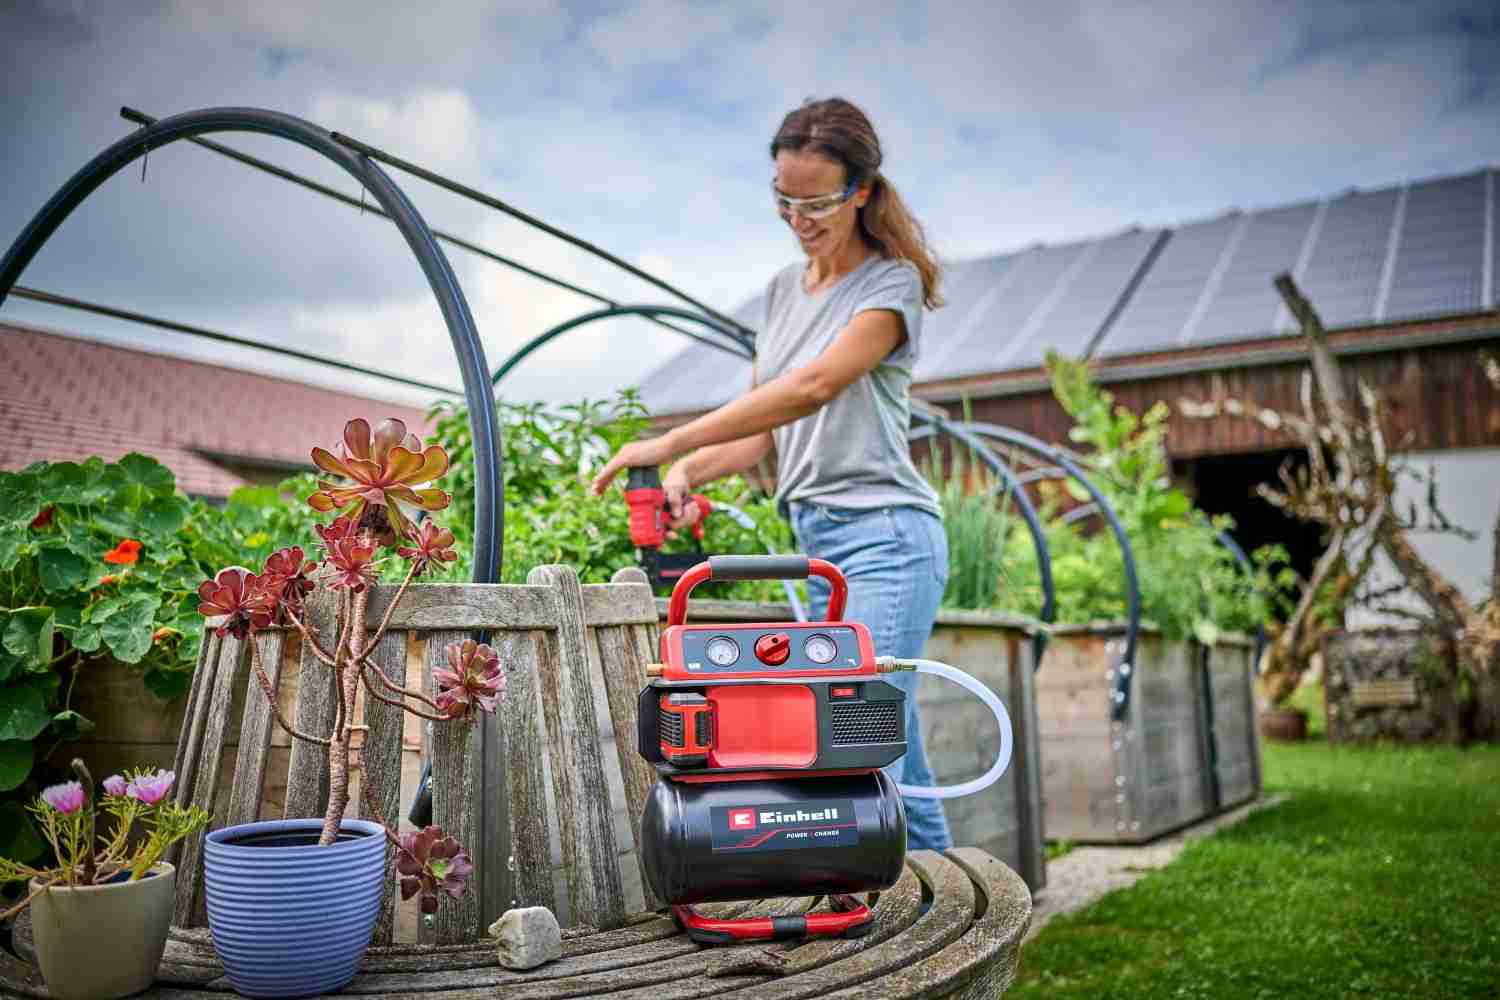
x: 489, y: 491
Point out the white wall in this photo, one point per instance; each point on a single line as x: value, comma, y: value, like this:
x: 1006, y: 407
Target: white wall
x: 1469, y: 495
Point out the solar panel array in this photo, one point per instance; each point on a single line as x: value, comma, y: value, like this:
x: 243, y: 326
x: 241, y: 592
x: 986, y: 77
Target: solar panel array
x: 1440, y: 250
x: 1403, y: 253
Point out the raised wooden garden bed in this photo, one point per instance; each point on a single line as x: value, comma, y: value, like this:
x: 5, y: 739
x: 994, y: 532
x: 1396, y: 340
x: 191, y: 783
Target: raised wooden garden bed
x: 1186, y: 748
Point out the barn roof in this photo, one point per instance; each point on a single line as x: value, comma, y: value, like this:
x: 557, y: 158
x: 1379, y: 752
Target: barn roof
x: 64, y: 399
x: 1424, y: 250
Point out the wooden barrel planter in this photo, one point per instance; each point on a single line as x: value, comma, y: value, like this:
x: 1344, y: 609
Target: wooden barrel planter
x: 1005, y: 820
x: 1186, y: 748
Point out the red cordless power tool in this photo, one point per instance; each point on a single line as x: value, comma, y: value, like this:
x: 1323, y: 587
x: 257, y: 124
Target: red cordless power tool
x: 768, y: 741
x: 649, y: 514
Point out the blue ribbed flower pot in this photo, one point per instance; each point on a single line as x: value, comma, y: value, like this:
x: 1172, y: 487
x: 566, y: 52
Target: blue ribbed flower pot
x: 290, y: 918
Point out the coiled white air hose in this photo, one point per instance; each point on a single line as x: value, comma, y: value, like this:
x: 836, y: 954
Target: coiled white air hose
x: 888, y: 664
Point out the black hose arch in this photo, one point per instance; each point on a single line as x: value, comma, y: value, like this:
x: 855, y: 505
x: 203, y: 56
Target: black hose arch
x: 1244, y: 561
x: 1120, y: 703
x: 489, y: 493
x: 1048, y: 613
x: 747, y: 351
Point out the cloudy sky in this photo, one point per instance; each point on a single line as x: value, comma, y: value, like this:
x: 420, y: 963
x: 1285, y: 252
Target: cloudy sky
x: 643, y: 126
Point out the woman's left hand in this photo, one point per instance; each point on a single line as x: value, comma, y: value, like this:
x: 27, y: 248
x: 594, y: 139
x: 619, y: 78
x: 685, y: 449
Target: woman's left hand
x: 652, y: 451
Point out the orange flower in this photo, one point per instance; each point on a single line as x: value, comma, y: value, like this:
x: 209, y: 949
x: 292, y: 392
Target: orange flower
x: 104, y: 580
x: 43, y: 519
x: 124, y: 554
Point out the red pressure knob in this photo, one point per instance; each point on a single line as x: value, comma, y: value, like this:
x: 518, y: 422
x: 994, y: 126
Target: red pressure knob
x: 774, y: 650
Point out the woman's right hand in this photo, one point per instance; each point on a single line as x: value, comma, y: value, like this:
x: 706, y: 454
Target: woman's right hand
x: 678, y: 488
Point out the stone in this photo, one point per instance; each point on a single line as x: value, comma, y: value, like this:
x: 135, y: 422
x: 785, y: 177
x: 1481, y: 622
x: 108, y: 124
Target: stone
x: 527, y: 937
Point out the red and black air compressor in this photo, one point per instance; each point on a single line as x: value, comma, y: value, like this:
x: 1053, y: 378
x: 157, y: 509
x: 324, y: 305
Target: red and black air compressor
x: 768, y: 740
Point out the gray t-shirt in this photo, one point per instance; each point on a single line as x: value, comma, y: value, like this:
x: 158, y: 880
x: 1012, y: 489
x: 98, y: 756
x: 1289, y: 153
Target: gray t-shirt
x: 852, y: 452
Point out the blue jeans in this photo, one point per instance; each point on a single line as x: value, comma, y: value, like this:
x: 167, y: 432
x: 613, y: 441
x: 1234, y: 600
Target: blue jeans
x: 896, y: 562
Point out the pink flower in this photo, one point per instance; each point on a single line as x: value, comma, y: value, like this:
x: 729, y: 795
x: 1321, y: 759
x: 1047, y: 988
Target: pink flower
x: 151, y: 788
x: 114, y: 785
x: 65, y: 798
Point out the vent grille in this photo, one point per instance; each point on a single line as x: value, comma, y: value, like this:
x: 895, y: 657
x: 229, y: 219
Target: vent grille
x: 671, y: 728
x: 870, y: 722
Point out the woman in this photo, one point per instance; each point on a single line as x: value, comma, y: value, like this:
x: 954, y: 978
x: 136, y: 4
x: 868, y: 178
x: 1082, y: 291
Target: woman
x: 831, y: 392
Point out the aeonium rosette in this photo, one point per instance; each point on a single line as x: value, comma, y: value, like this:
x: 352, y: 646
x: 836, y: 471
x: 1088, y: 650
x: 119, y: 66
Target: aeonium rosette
x: 473, y: 679
x: 428, y: 862
x: 385, y: 468
x: 238, y: 595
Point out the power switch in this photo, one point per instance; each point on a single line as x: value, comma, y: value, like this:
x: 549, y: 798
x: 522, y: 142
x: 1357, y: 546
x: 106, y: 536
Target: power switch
x: 773, y: 650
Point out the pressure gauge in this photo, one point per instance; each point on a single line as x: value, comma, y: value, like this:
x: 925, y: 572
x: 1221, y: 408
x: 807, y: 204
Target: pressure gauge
x: 820, y: 649
x: 722, y: 651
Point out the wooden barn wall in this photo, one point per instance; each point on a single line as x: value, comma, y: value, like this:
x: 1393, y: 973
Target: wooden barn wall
x: 1437, y: 395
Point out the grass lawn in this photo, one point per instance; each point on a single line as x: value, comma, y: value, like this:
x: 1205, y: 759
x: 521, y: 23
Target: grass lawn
x: 1379, y: 877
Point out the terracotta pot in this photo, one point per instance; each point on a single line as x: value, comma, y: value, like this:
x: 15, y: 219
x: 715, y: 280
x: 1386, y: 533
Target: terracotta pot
x: 99, y: 942
x: 1284, y: 725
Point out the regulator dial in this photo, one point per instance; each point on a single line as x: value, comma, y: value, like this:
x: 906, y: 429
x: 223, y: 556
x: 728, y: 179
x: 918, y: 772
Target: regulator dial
x: 820, y: 649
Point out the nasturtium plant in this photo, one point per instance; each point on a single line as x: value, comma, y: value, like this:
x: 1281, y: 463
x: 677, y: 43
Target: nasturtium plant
x: 101, y: 560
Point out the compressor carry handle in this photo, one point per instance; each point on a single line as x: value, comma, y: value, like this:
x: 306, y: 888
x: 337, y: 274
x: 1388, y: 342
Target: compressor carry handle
x: 789, y: 567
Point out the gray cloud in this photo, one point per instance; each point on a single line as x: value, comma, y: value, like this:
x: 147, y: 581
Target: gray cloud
x: 644, y: 129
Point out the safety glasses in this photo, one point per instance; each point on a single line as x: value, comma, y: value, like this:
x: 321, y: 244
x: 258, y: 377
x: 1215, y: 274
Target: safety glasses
x: 818, y: 207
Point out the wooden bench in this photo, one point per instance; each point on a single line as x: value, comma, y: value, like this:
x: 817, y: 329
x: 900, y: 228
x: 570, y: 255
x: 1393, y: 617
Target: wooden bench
x: 560, y: 643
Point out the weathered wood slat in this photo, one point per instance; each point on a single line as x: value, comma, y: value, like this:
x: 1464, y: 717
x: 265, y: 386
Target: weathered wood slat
x: 255, y: 732
x: 453, y: 795
x: 190, y: 741
x: 184, y: 763
x: 493, y: 882
x: 982, y: 962
x: 317, y: 704
x: 467, y: 606
x: 596, y: 891
x: 380, y: 763
x: 623, y: 656
x: 477, y: 983
x: 625, y: 600
x: 951, y: 913
x: 530, y: 837
x: 189, y: 909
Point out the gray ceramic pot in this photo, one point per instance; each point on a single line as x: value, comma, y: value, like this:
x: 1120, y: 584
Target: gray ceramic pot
x: 99, y: 942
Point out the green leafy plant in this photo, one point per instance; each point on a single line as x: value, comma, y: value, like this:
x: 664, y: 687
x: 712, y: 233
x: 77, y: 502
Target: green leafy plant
x: 99, y: 561
x: 1190, y: 584
x: 551, y: 516
x: 978, y: 529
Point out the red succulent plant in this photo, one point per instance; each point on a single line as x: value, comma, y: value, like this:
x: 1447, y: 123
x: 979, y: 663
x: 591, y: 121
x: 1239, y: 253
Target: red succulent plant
x: 474, y: 679
x: 432, y: 544
x: 430, y: 861
x: 385, y: 468
x: 237, y: 594
x: 353, y: 562
x: 287, y: 578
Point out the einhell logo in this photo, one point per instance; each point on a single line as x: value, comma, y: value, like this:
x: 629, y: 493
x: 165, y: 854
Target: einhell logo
x: 773, y: 818
x: 742, y: 819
